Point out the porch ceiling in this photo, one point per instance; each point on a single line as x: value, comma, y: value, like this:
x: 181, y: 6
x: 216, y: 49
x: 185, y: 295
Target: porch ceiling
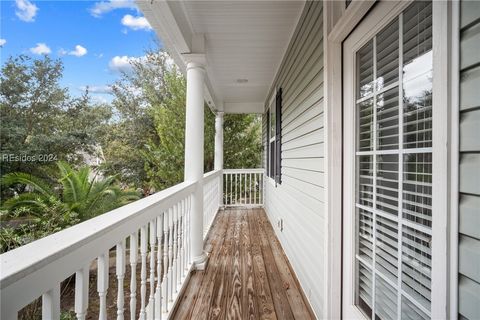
x: 243, y: 40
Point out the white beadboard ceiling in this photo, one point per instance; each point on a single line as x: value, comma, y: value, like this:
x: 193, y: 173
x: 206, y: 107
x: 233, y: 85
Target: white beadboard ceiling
x: 243, y: 40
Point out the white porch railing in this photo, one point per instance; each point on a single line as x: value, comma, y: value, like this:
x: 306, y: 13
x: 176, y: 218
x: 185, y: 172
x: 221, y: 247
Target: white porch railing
x: 152, y: 232
x: 243, y: 187
x: 211, y: 198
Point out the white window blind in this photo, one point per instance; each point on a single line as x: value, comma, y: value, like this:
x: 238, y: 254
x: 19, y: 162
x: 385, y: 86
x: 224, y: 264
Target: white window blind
x: 394, y: 168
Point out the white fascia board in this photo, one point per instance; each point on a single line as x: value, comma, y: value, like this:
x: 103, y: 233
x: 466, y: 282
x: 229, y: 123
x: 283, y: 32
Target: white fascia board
x: 170, y: 22
x: 166, y: 24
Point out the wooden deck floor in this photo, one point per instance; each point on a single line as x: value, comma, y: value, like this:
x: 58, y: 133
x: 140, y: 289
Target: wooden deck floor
x: 248, y: 275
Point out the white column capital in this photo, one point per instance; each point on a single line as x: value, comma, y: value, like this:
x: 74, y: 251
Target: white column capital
x: 218, y: 121
x: 195, y: 60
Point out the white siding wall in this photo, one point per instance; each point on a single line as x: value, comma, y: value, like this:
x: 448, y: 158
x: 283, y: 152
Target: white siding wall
x: 300, y: 199
x: 469, y: 207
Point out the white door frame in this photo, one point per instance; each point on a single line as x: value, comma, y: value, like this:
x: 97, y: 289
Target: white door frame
x: 337, y: 24
x: 385, y: 12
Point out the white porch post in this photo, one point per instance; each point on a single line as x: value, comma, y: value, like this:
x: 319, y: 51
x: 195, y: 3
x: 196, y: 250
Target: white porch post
x: 218, y: 141
x: 194, y: 140
x: 219, y: 153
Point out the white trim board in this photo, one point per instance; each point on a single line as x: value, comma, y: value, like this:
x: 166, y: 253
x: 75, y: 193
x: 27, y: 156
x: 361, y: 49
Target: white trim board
x: 334, y: 33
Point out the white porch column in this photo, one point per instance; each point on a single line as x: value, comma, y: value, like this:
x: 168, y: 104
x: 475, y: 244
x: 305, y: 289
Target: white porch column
x: 219, y: 152
x: 194, y: 140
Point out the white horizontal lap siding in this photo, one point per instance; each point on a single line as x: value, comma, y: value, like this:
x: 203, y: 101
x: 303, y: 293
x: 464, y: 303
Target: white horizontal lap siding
x: 469, y: 175
x: 299, y: 199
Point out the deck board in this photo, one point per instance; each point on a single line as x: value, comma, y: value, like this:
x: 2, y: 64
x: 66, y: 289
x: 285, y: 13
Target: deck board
x: 248, y: 276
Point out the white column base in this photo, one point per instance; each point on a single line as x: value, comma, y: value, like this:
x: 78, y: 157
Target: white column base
x: 200, y: 262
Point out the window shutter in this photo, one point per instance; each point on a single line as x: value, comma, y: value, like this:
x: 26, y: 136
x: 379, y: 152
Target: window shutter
x: 278, y: 137
x: 267, y: 144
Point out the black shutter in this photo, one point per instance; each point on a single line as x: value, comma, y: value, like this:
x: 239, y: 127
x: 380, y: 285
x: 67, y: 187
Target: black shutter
x: 278, y: 136
x: 267, y: 145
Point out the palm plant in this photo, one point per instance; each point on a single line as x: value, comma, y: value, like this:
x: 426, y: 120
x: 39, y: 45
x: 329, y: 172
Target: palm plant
x: 76, y: 192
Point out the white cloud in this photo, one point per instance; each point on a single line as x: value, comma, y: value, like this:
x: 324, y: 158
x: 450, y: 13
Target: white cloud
x: 2, y: 42
x: 136, y: 23
x: 40, y: 48
x: 79, y: 51
x: 123, y: 63
x: 26, y: 11
x: 99, y: 8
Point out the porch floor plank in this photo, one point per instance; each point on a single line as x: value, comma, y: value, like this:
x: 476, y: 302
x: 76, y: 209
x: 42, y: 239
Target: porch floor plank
x: 248, y: 276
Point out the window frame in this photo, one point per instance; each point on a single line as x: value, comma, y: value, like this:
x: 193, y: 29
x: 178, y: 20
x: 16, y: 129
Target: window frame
x: 384, y: 13
x: 274, y: 132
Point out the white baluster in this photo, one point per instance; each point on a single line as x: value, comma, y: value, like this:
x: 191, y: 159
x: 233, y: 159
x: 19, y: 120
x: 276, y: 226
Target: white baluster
x: 254, y: 188
x: 262, y: 189
x: 179, y: 245
x: 153, y: 238
x: 158, y: 290
x: 190, y: 260
x: 250, y: 188
x: 236, y: 185
x: 133, y: 273
x: 170, y: 255
x: 225, y: 188
x: 81, y: 292
x: 240, y: 187
x: 51, y: 303
x: 246, y: 191
x: 143, y: 272
x: 205, y: 207
x: 184, y: 238
x: 166, y: 242
x: 181, y: 268
x: 102, y: 284
x: 174, y: 251
x: 120, y: 272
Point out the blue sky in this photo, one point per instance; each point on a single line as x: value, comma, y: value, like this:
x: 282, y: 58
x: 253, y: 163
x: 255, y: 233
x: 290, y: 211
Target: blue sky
x: 94, y: 39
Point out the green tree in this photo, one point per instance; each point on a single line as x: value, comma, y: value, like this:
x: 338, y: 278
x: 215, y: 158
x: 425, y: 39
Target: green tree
x: 135, y: 94
x: 150, y: 100
x: 165, y: 158
x: 78, y: 193
x: 38, y: 117
x: 242, y: 141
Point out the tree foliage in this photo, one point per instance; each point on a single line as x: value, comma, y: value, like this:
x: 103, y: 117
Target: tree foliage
x: 151, y: 100
x: 40, y: 120
x: 76, y: 190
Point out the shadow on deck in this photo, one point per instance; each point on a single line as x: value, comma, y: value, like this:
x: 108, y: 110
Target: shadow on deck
x: 248, y: 275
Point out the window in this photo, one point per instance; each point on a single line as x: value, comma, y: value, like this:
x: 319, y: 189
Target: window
x: 394, y: 168
x: 274, y: 137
